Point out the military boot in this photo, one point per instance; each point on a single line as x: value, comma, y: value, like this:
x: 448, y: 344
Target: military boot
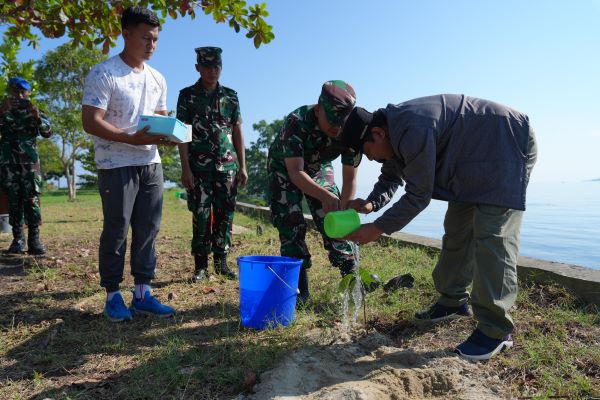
x: 201, y: 268
x: 304, y: 294
x: 18, y: 244
x: 34, y: 244
x: 222, y: 268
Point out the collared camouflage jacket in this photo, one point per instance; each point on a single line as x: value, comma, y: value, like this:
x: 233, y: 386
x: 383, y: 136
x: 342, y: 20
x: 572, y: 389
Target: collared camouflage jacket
x: 213, y: 117
x: 18, y: 133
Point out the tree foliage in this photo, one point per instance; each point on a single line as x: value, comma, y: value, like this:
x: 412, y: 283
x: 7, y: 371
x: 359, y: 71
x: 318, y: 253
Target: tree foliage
x: 256, y: 159
x: 171, y: 163
x: 87, y: 162
x: 51, y: 165
x: 94, y: 23
x: 60, y: 75
x: 10, y: 67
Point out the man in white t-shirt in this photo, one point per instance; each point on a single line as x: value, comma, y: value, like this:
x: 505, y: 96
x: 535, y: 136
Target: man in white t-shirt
x: 130, y: 178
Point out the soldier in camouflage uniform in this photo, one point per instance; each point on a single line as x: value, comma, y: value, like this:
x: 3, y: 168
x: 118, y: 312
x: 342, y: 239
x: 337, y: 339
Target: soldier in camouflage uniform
x: 20, y: 124
x: 213, y: 163
x: 299, y: 165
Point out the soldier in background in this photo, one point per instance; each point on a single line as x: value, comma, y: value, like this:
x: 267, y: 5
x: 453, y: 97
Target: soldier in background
x: 213, y: 164
x: 20, y: 124
x: 299, y: 165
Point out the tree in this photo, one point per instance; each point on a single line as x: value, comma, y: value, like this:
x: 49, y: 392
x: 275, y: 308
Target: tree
x: 92, y: 23
x: 256, y: 159
x: 169, y: 156
x: 87, y: 162
x: 50, y: 163
x: 60, y: 75
x: 10, y: 67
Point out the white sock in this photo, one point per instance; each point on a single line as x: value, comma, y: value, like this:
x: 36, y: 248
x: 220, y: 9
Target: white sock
x: 141, y: 289
x: 110, y: 295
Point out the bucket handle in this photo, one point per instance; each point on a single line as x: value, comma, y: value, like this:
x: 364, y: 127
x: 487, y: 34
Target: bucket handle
x: 284, y: 282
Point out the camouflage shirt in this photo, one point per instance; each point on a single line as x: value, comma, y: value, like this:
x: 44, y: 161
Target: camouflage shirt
x: 213, y: 117
x: 18, y: 133
x: 300, y: 136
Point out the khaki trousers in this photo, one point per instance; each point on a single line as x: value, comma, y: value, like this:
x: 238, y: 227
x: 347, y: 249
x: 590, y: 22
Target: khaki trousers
x: 481, y: 246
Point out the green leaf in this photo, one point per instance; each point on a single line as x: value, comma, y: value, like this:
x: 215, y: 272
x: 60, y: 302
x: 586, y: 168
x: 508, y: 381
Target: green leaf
x: 347, y: 283
x: 86, y: 21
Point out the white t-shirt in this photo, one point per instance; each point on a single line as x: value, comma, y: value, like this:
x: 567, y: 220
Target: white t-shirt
x: 125, y: 94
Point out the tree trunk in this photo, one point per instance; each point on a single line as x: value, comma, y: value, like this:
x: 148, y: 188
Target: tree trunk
x: 72, y: 188
x: 70, y: 185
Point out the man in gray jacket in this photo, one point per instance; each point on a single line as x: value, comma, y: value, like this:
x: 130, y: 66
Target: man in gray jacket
x: 477, y: 155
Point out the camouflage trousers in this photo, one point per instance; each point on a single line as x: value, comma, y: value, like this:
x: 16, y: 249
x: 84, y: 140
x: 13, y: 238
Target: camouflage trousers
x: 287, y: 216
x: 22, y: 183
x: 212, y: 203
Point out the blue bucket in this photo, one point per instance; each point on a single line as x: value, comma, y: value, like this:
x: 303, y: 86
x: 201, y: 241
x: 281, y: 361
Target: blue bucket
x: 268, y: 287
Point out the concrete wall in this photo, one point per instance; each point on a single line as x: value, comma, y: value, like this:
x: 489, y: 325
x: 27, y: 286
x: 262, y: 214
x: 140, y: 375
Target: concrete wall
x: 583, y: 282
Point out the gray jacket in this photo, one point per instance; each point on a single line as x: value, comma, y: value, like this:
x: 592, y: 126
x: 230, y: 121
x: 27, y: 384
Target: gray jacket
x: 453, y: 148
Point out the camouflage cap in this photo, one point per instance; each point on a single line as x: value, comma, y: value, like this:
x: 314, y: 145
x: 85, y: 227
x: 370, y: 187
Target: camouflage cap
x: 337, y: 99
x: 209, y: 56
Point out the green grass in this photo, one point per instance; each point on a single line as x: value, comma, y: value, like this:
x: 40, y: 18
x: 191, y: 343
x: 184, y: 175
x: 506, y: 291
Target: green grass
x: 55, y: 343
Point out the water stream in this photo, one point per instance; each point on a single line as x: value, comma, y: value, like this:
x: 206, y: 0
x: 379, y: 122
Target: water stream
x: 353, y: 296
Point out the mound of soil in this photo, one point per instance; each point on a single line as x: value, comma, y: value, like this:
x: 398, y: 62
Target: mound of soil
x: 370, y: 367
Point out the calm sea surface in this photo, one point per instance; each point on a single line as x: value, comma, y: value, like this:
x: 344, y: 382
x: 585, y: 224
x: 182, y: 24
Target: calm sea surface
x: 562, y: 222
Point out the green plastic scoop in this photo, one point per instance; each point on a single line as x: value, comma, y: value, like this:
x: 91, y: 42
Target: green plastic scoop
x: 341, y: 223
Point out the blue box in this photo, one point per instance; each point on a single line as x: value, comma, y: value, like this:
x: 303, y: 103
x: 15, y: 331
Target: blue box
x: 170, y: 127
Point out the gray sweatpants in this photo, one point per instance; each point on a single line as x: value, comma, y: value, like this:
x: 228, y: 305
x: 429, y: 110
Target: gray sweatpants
x: 481, y: 245
x: 130, y: 196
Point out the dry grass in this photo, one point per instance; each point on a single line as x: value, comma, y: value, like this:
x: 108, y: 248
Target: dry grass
x: 55, y: 343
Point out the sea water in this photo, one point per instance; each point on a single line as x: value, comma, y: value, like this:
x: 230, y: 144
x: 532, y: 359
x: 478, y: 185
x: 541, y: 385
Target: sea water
x: 561, y: 222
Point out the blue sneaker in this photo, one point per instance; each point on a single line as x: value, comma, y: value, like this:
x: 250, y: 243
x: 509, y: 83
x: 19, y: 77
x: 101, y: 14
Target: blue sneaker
x: 150, y: 305
x: 438, y: 313
x: 479, y: 346
x: 116, y: 310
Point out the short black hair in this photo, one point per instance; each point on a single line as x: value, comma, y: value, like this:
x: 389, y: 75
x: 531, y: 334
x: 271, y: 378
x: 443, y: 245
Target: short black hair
x: 132, y: 16
x: 380, y: 121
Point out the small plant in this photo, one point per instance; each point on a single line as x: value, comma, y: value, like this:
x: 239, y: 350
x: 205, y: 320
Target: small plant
x: 39, y: 272
x: 368, y: 281
x: 38, y: 378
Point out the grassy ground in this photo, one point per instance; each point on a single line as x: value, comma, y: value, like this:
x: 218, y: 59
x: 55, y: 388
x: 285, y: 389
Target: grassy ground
x: 55, y: 343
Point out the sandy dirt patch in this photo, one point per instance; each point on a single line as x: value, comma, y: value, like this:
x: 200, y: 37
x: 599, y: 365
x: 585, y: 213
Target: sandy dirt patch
x: 368, y: 366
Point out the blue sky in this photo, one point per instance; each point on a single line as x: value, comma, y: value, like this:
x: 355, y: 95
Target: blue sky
x: 541, y: 57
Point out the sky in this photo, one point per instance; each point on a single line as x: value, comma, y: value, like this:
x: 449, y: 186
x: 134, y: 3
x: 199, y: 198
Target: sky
x: 541, y: 57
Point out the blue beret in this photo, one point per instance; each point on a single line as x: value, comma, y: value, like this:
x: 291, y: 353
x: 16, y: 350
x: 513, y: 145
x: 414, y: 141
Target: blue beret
x: 19, y: 83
